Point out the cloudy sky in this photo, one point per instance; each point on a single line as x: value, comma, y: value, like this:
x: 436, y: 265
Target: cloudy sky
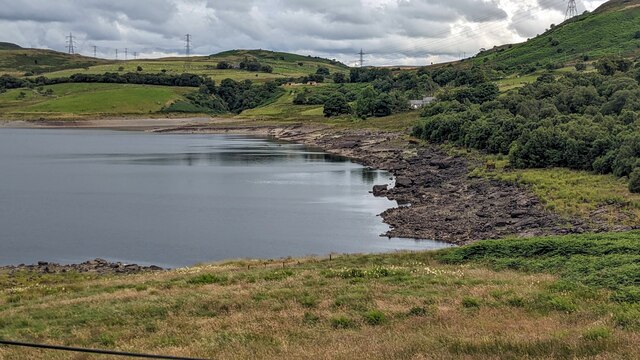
x: 390, y: 31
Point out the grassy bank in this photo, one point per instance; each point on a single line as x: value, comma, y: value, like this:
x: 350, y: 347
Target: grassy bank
x: 570, y: 193
x: 88, y: 98
x: 560, y: 297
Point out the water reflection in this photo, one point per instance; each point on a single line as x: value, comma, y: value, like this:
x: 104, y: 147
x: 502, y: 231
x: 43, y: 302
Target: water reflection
x: 175, y: 200
x: 225, y: 157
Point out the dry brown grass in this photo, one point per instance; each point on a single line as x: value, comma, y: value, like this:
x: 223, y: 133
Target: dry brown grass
x: 310, y: 310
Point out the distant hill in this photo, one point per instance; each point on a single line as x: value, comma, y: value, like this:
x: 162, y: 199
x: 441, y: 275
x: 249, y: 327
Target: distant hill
x: 14, y: 59
x: 273, y: 56
x: 9, y: 46
x: 612, y: 29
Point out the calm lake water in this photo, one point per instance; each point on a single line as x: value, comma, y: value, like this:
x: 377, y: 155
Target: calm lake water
x: 173, y: 200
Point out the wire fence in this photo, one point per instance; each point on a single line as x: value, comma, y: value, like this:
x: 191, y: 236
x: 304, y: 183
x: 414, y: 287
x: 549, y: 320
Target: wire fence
x: 93, y: 351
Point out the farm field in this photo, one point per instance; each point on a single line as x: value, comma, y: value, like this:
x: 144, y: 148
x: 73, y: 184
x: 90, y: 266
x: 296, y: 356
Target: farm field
x: 83, y: 99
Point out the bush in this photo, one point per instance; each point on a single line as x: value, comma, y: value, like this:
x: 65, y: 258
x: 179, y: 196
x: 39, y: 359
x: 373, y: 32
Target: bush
x: 324, y: 71
x: 374, y: 317
x: 634, y: 181
x: 206, y: 279
x: 336, y: 105
x: 342, y: 322
x: 470, y: 302
x: 223, y: 65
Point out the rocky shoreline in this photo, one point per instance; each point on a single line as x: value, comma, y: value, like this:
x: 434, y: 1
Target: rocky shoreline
x: 96, y: 266
x: 438, y: 199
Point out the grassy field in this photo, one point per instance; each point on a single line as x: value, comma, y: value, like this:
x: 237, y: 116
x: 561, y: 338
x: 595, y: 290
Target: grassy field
x: 495, y: 299
x: 83, y: 99
x: 17, y: 62
x: 284, y: 65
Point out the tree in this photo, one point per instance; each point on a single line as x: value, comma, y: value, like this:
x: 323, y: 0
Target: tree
x: 300, y: 99
x: 634, y: 181
x: 322, y: 70
x: 606, y: 67
x: 139, y: 68
x: 336, y: 105
x: 365, y: 104
x: 339, y: 78
x: 223, y: 65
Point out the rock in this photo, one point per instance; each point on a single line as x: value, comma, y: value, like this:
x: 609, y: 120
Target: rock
x: 403, y: 182
x: 347, y: 144
x: 519, y: 213
x: 379, y: 190
x: 440, y: 164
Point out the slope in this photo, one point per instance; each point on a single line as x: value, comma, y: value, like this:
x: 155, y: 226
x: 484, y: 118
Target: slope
x: 39, y: 61
x: 612, y: 29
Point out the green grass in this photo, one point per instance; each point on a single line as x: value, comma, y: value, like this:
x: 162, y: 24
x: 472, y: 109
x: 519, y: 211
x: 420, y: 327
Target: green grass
x: 609, y: 32
x: 597, y: 261
x: 20, y: 61
x: 549, y: 297
x: 571, y: 193
x: 284, y: 66
x: 82, y: 99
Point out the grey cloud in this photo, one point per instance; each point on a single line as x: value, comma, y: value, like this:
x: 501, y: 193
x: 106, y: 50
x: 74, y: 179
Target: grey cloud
x: 402, y: 31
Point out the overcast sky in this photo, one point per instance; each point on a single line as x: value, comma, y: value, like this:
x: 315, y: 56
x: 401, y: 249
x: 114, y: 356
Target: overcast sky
x: 399, y: 32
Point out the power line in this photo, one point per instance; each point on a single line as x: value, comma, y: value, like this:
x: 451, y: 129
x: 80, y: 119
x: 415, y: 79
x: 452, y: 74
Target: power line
x: 572, y: 10
x: 187, y: 64
x: 188, y: 46
x: 362, y: 54
x: 70, y: 47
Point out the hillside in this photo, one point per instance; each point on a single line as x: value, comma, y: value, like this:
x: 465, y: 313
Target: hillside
x: 19, y: 61
x: 9, y: 46
x: 613, y: 29
x: 284, y: 65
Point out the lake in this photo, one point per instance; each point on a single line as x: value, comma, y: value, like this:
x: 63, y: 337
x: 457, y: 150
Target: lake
x: 175, y: 200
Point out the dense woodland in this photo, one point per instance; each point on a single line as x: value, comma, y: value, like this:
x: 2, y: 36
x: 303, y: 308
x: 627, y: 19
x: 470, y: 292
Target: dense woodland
x: 584, y: 121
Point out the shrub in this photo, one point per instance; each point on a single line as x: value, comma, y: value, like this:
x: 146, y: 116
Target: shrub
x: 342, y: 322
x: 418, y: 311
x: 470, y: 302
x: 597, y: 333
x: 223, y: 65
x: 206, y: 279
x: 634, y: 181
x: 374, y: 317
x: 336, y: 105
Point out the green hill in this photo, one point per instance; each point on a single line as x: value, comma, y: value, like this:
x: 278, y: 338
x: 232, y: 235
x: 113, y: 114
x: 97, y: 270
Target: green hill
x: 612, y: 29
x: 16, y: 60
x: 9, y: 46
x: 284, y: 65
